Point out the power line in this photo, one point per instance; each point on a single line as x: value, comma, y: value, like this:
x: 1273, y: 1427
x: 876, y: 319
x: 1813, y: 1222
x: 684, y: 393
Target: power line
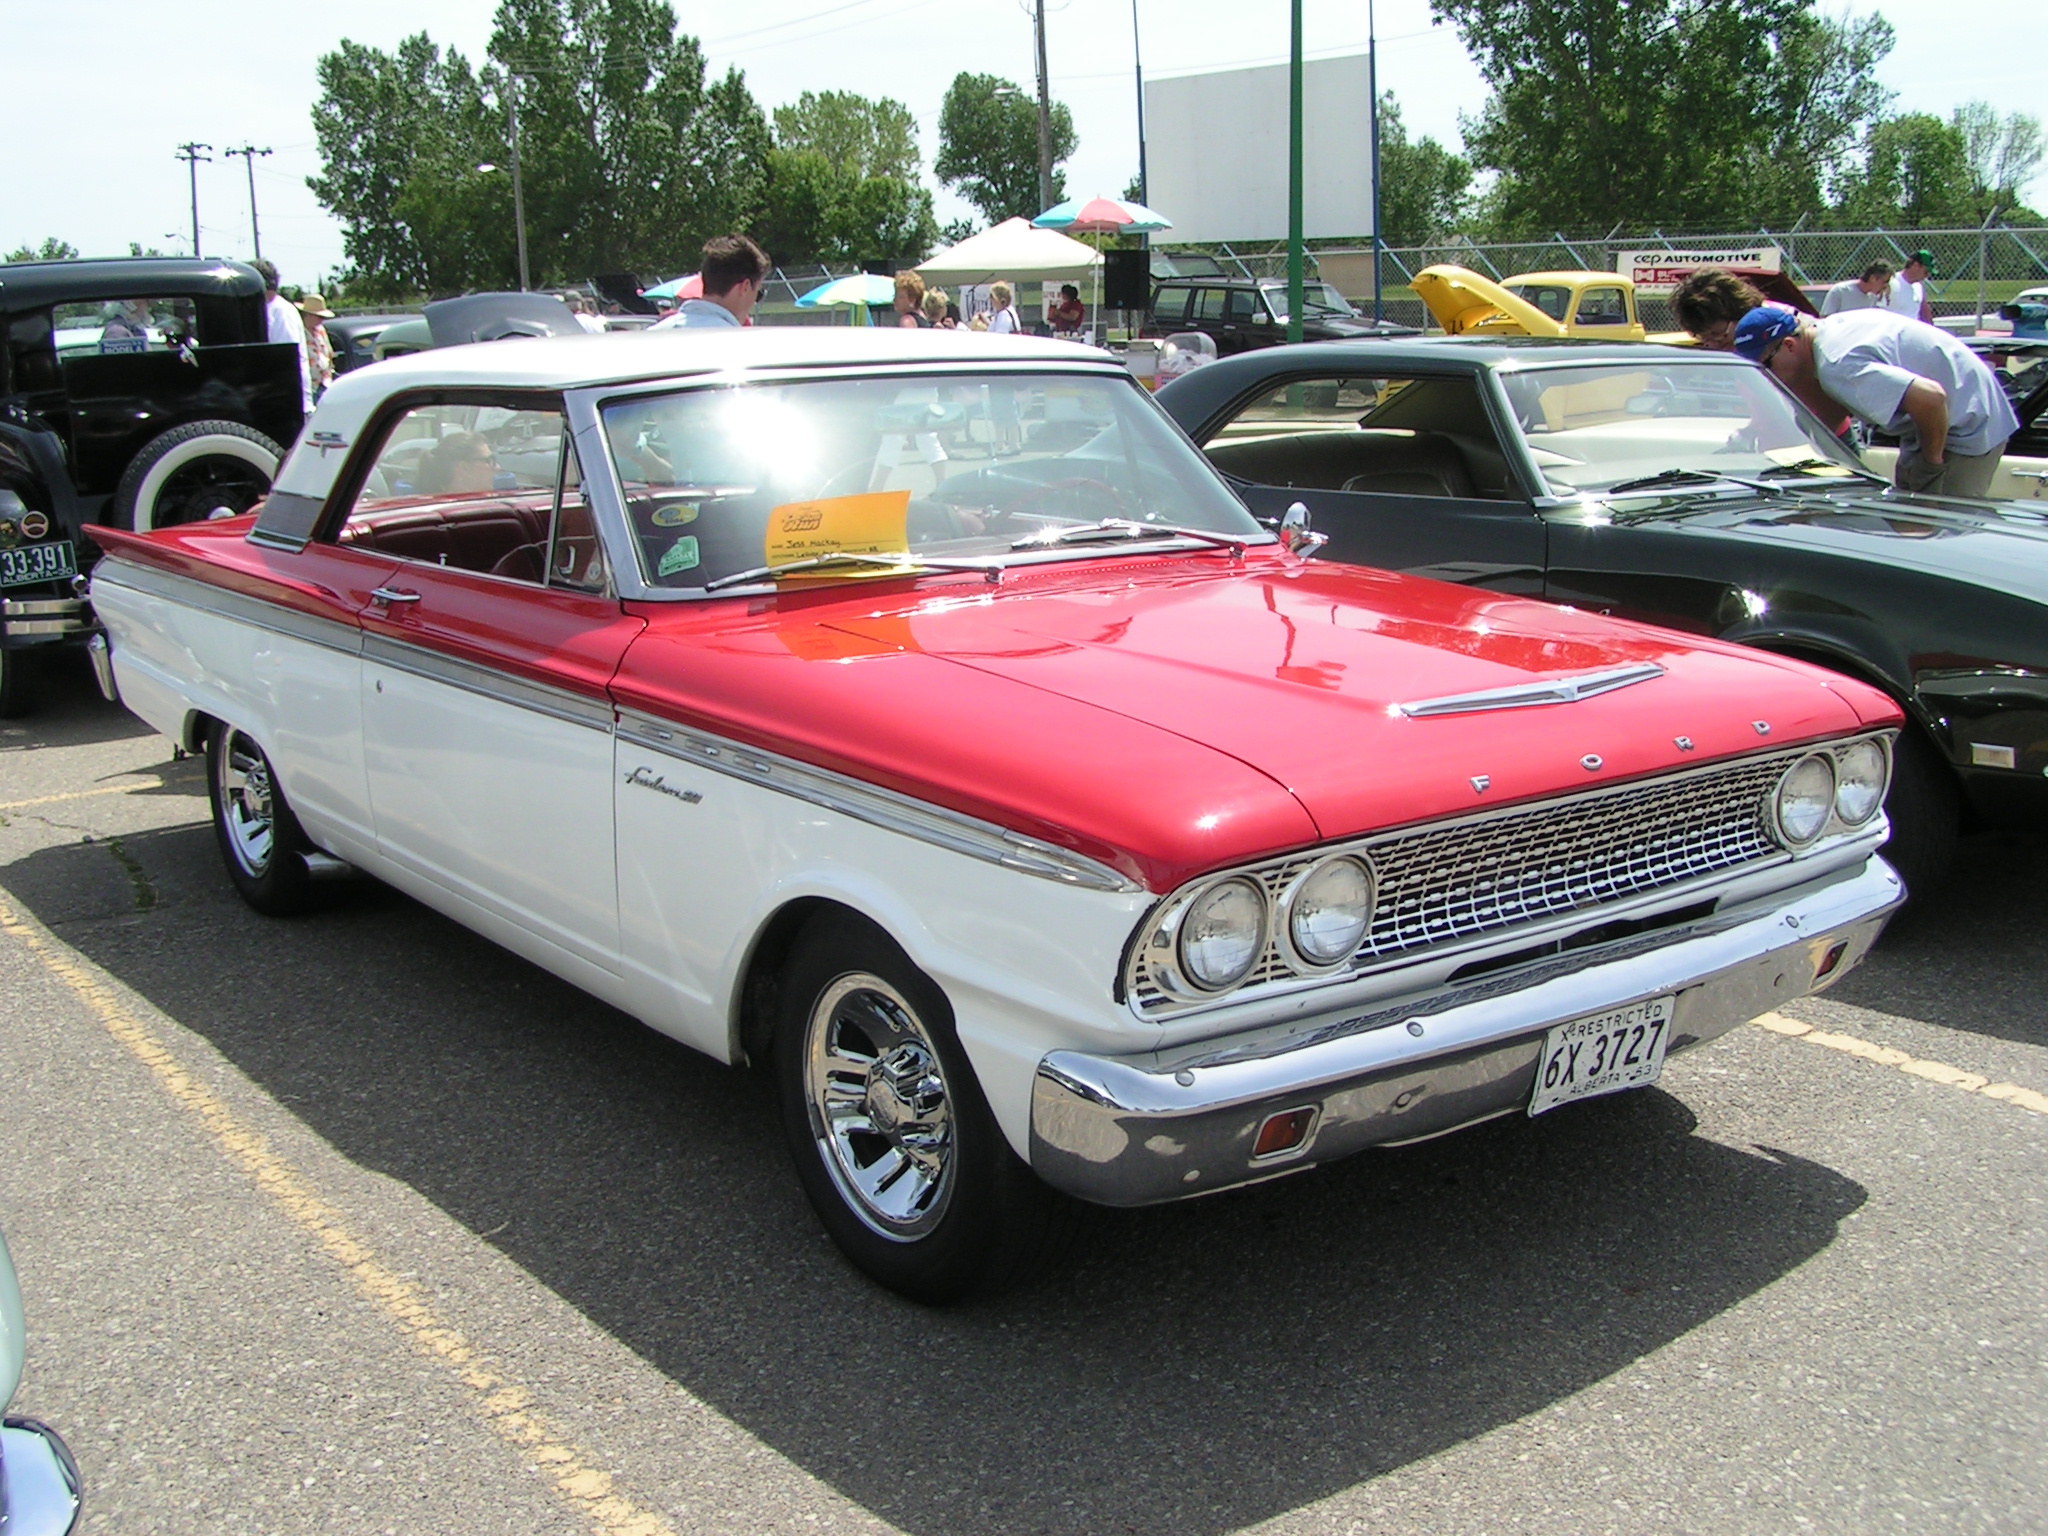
x: 249, y: 152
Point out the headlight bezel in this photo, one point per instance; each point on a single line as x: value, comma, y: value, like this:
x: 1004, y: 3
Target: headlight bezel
x: 1882, y: 746
x: 1283, y: 920
x: 1784, y: 834
x: 1194, y: 903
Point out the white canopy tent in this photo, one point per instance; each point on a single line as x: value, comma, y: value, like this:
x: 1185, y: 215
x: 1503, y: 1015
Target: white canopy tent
x: 1016, y: 251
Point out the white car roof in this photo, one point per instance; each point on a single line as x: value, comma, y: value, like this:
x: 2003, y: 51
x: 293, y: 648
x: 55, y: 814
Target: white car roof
x: 631, y: 357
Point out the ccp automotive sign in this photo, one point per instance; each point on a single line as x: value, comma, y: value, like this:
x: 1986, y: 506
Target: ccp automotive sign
x: 1667, y: 269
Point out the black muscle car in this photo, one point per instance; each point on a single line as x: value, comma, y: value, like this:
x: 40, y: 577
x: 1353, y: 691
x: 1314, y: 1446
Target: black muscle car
x: 1682, y: 488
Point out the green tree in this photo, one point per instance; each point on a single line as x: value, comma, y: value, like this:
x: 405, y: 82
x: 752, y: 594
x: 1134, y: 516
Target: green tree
x: 52, y: 249
x: 988, y: 146
x: 1915, y: 173
x: 868, y: 138
x: 843, y: 184
x: 1422, y: 184
x: 2001, y: 154
x: 1643, y: 112
x: 1824, y: 94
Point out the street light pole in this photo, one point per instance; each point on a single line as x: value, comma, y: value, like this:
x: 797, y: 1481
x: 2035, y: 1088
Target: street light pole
x: 249, y: 152
x: 1372, y: 88
x: 1044, y: 119
x: 1138, y: 64
x: 189, y: 153
x: 518, y: 190
x: 1294, y: 245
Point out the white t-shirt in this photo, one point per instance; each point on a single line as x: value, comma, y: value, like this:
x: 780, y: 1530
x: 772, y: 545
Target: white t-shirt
x: 1905, y: 297
x: 1853, y: 295
x: 1004, y: 319
x: 284, y: 323
x: 1868, y: 358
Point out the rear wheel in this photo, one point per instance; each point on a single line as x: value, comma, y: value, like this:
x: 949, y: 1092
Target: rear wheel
x: 202, y: 470
x: 893, y: 1142
x: 260, y: 839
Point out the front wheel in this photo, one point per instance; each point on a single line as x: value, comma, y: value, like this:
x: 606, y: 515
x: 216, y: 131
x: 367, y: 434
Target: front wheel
x: 260, y: 839
x: 1924, y: 806
x: 893, y: 1142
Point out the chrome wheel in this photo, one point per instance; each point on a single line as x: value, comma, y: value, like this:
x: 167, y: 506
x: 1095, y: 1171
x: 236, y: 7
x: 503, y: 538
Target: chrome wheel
x: 245, y: 802
x: 879, y: 1110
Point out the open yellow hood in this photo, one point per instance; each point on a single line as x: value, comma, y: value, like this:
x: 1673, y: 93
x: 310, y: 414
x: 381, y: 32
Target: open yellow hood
x: 1463, y: 302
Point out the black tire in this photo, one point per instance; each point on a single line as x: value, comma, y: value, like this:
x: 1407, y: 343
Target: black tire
x: 269, y: 870
x: 1924, y: 806
x: 984, y: 1222
x: 14, y: 684
x: 194, y: 472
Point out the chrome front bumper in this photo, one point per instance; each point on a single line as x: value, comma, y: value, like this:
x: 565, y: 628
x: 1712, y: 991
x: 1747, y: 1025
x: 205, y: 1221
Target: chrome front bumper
x: 40, y: 1491
x: 1135, y: 1130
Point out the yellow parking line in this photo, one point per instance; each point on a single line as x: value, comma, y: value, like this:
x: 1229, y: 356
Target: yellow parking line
x: 1885, y: 1056
x: 503, y: 1404
x: 81, y: 794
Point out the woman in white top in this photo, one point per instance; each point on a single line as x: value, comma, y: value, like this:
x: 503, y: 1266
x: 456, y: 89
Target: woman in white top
x: 1003, y: 315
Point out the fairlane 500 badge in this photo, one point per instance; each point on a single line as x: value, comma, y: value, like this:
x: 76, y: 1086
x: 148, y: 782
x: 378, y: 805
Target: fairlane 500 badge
x: 644, y: 778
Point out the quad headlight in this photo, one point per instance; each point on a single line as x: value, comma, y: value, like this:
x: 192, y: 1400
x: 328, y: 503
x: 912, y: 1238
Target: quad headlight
x: 1328, y: 911
x: 1860, y: 777
x: 1804, y: 799
x: 1222, y: 935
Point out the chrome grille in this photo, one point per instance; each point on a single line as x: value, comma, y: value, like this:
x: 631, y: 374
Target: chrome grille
x: 1443, y: 883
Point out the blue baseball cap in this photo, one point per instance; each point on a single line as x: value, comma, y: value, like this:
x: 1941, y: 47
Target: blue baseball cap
x: 1762, y: 328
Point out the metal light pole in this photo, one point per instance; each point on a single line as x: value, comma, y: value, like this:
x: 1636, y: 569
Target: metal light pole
x: 1044, y: 119
x: 1372, y: 86
x: 518, y: 190
x: 1983, y: 252
x: 1138, y: 64
x: 1294, y: 250
x: 189, y: 153
x: 249, y: 152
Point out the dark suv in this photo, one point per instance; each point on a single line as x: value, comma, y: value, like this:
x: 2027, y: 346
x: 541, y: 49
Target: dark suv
x: 1240, y: 314
x: 139, y: 393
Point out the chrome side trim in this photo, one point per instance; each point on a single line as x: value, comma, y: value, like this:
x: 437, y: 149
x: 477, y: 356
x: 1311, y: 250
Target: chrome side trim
x: 872, y: 804
x: 1561, y: 690
x: 226, y: 604
x: 560, y: 703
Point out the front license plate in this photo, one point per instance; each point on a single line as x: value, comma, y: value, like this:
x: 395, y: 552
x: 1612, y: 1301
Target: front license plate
x: 1604, y: 1053
x: 37, y: 562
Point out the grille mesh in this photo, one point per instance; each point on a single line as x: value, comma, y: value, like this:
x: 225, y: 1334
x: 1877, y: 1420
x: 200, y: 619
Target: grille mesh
x: 1444, y: 883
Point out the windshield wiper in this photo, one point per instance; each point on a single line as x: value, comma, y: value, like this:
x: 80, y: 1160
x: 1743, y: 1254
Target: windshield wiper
x: 1124, y: 528
x: 1837, y: 470
x: 1690, y: 477
x: 993, y: 572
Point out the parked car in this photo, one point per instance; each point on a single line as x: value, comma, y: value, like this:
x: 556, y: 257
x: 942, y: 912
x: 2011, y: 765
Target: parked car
x: 477, y: 317
x: 1599, y: 306
x: 137, y: 392
x: 40, y: 1489
x: 1683, y: 488
x: 1241, y: 314
x: 354, y: 338
x: 922, y: 717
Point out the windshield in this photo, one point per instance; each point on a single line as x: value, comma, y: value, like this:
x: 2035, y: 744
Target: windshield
x: 1592, y: 429
x: 722, y: 481
x: 1316, y: 299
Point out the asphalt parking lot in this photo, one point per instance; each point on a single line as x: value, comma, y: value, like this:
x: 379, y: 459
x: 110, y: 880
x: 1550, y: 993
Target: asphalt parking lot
x: 357, y: 1223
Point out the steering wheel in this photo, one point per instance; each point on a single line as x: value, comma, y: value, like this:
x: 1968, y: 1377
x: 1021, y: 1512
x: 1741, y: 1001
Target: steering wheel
x: 1031, y: 498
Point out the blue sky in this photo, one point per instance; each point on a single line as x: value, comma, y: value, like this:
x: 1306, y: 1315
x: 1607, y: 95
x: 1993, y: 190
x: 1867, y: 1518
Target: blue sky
x: 95, y: 95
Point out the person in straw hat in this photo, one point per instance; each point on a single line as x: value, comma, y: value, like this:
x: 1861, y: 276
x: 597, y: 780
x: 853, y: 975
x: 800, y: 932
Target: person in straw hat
x: 319, y: 350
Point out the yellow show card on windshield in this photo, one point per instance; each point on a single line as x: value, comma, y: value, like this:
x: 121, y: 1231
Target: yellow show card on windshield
x: 872, y: 523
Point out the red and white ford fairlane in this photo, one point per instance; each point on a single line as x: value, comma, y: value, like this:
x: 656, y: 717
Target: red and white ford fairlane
x: 920, y: 716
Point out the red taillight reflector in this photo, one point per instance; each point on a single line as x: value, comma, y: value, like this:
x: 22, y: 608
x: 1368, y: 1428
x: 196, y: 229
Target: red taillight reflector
x: 1283, y: 1132
x: 1831, y: 959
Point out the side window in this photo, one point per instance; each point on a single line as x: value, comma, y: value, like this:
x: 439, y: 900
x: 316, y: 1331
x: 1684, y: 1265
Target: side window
x: 1603, y: 306
x: 1245, y: 305
x: 466, y: 485
x: 96, y: 327
x: 1170, y: 304
x: 1208, y: 305
x: 1410, y: 437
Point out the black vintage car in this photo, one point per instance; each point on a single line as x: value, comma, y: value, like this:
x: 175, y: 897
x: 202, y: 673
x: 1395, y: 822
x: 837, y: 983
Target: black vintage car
x: 1678, y: 487
x: 138, y: 392
x: 1242, y: 314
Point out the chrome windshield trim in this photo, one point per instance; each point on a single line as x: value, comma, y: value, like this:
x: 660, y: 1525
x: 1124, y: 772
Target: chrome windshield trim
x: 223, y: 603
x: 870, y: 803
x: 1559, y: 690
x: 487, y: 682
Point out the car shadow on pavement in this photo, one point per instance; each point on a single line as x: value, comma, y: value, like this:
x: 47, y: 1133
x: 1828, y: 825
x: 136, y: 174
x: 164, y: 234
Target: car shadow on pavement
x: 1975, y: 955
x: 1192, y: 1369
x: 65, y: 708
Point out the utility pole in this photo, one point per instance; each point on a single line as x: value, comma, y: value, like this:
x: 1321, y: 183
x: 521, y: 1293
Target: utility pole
x: 1294, y: 251
x: 518, y: 191
x: 249, y: 152
x: 1044, y: 118
x: 189, y: 153
x: 1372, y: 87
x: 1138, y: 63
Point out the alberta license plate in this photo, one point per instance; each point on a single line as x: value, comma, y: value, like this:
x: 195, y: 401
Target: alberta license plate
x: 1602, y: 1053
x: 36, y: 562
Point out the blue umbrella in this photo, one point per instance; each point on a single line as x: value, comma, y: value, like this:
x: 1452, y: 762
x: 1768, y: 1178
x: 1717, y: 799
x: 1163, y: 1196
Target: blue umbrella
x: 861, y: 288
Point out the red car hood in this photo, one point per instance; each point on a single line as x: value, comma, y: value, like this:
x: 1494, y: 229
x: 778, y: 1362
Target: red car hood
x: 1172, y: 718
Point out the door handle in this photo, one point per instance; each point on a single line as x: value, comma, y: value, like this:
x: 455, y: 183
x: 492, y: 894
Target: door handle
x: 391, y: 599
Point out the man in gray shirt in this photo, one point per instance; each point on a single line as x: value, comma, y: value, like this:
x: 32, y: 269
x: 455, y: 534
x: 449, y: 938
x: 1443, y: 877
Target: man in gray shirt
x: 1915, y: 381
x: 1869, y: 291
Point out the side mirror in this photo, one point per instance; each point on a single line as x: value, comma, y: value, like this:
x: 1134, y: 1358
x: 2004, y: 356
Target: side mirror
x: 1297, y: 536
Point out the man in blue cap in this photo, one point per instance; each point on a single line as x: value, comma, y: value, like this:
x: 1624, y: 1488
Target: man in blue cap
x: 1914, y: 381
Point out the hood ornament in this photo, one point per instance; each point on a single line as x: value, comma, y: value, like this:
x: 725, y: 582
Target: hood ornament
x: 1559, y: 690
x: 1295, y: 534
